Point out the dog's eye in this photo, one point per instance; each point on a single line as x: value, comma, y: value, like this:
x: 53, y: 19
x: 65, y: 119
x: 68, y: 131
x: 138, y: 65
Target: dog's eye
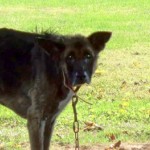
x: 70, y: 57
x: 88, y: 56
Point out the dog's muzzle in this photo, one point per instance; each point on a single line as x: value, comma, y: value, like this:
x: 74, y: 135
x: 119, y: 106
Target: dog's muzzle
x: 80, y: 78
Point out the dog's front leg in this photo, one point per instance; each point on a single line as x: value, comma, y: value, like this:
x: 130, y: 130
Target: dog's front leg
x: 35, y: 127
x: 39, y: 121
x: 40, y: 130
x: 48, y: 131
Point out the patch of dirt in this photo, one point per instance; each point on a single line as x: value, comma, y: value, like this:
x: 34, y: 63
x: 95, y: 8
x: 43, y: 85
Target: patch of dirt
x: 124, y: 146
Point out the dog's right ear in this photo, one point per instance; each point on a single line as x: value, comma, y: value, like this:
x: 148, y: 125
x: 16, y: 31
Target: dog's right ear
x: 50, y: 46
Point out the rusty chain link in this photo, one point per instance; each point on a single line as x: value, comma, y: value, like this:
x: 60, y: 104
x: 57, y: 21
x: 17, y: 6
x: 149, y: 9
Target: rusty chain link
x: 76, y: 122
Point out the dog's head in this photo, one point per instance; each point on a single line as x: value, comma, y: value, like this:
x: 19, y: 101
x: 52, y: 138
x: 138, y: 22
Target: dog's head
x: 78, y: 56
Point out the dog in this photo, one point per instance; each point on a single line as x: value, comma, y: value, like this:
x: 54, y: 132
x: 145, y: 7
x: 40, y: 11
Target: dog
x: 38, y: 73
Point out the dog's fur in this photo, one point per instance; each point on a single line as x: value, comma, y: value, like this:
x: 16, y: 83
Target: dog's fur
x: 38, y: 73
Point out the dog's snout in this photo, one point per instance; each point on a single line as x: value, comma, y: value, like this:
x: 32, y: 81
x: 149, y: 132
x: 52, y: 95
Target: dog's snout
x: 81, y: 76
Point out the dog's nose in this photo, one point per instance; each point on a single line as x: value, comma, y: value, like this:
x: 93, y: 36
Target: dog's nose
x: 81, y: 76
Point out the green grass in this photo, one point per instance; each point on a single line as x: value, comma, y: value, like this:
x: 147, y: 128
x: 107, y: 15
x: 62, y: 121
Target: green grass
x: 120, y: 89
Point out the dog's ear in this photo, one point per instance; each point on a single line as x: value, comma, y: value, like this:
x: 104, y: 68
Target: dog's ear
x: 50, y: 46
x: 99, y: 39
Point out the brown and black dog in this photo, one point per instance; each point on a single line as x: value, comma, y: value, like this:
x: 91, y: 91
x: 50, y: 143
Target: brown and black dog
x: 38, y: 73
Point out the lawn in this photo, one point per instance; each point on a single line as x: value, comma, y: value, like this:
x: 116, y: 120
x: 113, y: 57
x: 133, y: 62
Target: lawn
x: 120, y: 89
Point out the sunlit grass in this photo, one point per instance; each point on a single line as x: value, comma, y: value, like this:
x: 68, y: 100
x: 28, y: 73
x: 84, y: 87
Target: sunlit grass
x: 120, y: 89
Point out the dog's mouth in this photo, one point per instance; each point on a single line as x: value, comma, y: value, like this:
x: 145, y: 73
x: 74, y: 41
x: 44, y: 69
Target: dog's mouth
x: 78, y: 80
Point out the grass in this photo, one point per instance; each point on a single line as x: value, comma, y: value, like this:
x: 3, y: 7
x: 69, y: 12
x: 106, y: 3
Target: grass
x: 120, y: 89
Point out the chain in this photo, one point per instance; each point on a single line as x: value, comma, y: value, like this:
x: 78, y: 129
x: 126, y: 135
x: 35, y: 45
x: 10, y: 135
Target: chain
x: 76, y: 122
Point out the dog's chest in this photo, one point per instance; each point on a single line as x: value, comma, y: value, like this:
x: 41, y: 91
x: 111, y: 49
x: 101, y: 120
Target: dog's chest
x: 62, y: 104
x: 65, y: 101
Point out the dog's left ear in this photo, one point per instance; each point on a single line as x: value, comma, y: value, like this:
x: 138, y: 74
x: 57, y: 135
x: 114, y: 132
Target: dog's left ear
x: 99, y: 39
x: 50, y: 46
